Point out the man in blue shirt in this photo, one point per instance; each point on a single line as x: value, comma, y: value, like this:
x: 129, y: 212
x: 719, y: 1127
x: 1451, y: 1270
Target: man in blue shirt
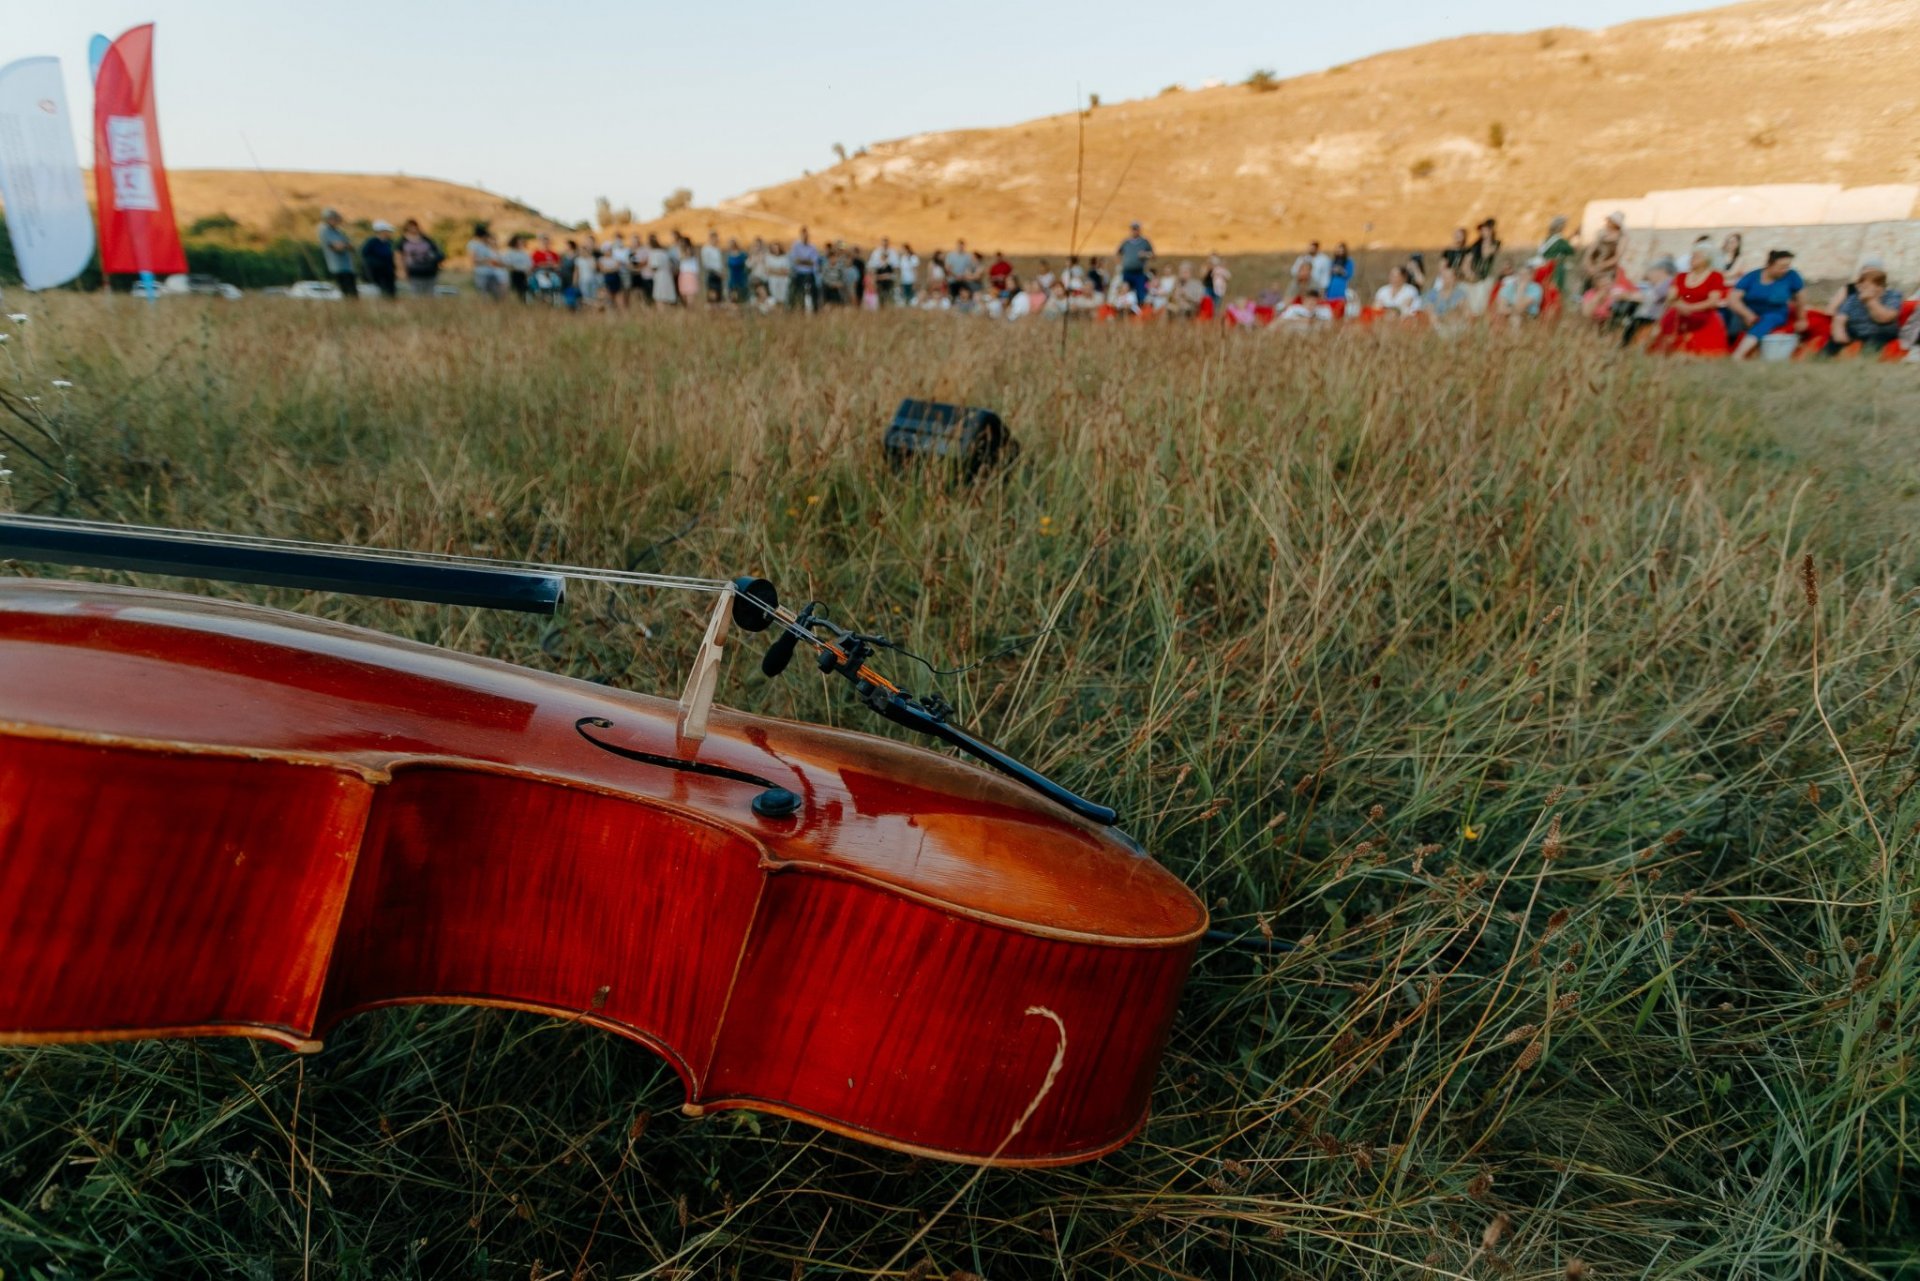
x: 805, y: 264
x: 1136, y: 251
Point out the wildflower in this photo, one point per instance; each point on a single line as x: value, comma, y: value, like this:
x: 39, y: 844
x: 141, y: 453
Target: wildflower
x: 813, y: 500
x: 4, y: 337
x: 1469, y: 832
x: 62, y: 383
x: 17, y: 317
x: 793, y: 511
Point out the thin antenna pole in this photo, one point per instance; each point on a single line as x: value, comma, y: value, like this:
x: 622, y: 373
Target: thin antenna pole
x: 1079, y: 186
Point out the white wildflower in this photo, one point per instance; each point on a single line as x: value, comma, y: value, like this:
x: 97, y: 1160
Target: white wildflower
x: 17, y: 317
x: 62, y: 383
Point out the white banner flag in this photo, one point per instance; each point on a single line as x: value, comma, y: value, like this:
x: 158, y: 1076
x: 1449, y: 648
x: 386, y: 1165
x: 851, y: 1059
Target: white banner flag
x: 46, y: 201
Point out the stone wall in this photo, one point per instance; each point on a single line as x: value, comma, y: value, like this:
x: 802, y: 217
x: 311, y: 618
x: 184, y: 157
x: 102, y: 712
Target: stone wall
x: 1823, y: 253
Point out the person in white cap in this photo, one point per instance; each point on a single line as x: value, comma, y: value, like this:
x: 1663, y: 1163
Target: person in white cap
x: 337, y: 248
x: 376, y: 258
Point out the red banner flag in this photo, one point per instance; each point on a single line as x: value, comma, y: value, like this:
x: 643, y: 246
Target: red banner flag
x: 136, y: 209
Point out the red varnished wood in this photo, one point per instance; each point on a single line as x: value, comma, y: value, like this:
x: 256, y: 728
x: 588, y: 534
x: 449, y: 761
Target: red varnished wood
x: 218, y: 818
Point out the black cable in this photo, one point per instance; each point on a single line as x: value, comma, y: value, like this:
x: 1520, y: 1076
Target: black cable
x: 1012, y: 647
x: 1258, y: 944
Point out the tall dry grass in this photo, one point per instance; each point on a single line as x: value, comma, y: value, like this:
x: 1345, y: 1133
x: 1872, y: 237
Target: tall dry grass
x: 1478, y: 673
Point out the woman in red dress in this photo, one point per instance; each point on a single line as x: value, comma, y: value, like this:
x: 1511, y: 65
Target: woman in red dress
x: 1692, y: 322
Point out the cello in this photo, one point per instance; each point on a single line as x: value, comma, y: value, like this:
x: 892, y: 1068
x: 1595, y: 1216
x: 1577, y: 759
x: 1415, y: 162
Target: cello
x: 221, y: 819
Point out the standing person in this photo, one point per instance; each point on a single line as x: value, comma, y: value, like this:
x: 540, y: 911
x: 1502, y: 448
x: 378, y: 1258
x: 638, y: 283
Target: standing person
x: 1339, y: 280
x: 568, y: 270
x: 689, y: 272
x: 376, y: 255
x: 613, y: 273
x: 1318, y: 265
x: 1135, y: 254
x: 588, y: 273
x: 519, y: 264
x: 779, y: 269
x: 713, y: 268
x: 337, y: 248
x: 830, y: 279
x: 622, y: 259
x: 1558, y: 250
x: 420, y: 258
x: 546, y: 276
x: 909, y: 263
x: 803, y: 266
x: 737, y: 287
x: 883, y: 266
x: 757, y: 267
x: 489, y: 270
x: 1484, y: 252
x: 1767, y: 300
x: 962, y: 268
x: 660, y: 269
x: 1600, y: 264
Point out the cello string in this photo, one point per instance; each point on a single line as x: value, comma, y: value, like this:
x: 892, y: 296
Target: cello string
x: 788, y: 621
x: 584, y: 573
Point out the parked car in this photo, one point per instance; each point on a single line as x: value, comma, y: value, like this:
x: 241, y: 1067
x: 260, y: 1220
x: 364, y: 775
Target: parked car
x: 196, y: 283
x: 322, y: 290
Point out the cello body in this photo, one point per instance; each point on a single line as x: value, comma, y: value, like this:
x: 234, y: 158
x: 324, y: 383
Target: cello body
x: 220, y: 819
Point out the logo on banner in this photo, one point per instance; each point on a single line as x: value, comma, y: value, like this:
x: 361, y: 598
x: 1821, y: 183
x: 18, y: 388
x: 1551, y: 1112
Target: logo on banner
x: 133, y: 186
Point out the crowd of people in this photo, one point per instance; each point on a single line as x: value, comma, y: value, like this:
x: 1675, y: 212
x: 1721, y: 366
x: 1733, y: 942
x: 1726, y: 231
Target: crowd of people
x: 1716, y: 302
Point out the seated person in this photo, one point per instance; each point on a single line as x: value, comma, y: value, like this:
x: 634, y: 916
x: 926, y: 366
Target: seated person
x: 1765, y: 300
x: 1518, y: 294
x: 1304, y: 311
x: 1188, y: 292
x: 1691, y: 322
x: 1027, y: 300
x: 1870, y: 315
x: 1446, y: 294
x: 1648, y: 303
x: 1398, y: 295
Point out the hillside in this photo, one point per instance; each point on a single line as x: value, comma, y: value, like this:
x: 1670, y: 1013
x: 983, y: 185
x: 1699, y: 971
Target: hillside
x: 1402, y: 147
x: 284, y: 202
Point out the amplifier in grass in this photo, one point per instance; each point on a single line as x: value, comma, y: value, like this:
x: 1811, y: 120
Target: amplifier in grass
x: 967, y: 440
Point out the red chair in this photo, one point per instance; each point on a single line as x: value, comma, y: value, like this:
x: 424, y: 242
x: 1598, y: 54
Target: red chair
x: 1263, y: 315
x: 1206, y: 309
x: 1339, y: 306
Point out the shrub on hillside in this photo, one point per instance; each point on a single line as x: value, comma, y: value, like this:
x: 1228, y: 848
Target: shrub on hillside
x: 1263, y: 81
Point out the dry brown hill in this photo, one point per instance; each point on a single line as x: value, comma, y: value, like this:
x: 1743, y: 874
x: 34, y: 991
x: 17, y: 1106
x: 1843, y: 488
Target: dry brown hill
x: 288, y: 202
x: 1402, y: 147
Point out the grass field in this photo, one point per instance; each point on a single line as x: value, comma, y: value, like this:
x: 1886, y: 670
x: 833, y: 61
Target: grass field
x: 1558, y: 707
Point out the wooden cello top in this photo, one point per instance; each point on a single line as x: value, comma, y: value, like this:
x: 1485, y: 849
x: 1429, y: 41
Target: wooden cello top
x: 181, y: 671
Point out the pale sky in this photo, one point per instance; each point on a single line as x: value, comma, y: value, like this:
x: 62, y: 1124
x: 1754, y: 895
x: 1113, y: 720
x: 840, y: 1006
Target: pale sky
x: 558, y: 103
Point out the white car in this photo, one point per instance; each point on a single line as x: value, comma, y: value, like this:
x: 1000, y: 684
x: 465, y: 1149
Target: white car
x: 322, y: 290
x: 211, y: 286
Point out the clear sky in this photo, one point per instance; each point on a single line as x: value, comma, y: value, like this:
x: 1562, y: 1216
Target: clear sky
x: 557, y: 103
